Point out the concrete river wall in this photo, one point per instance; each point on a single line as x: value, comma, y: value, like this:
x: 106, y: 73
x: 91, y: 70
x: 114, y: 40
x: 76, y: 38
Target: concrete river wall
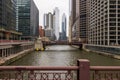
x: 112, y: 51
x: 10, y: 52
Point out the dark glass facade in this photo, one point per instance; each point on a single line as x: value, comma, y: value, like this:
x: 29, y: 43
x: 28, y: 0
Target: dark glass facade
x: 7, y: 14
x: 27, y: 18
x: 8, y: 20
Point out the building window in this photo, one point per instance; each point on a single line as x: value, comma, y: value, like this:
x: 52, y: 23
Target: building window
x: 118, y: 6
x: 112, y: 19
x: 112, y: 2
x: 112, y: 11
x: 112, y: 28
x: 112, y: 6
x: 112, y: 15
x: 112, y: 24
x: 112, y: 33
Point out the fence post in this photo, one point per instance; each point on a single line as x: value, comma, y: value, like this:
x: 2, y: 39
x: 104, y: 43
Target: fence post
x: 83, y: 72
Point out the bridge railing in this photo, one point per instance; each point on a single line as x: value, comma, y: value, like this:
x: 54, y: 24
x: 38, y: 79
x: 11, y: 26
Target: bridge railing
x: 105, y: 72
x: 83, y: 71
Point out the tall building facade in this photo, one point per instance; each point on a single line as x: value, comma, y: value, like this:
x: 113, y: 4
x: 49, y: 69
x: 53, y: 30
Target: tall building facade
x: 76, y: 22
x: 104, y: 22
x: 50, y: 20
x: 7, y: 14
x: 82, y: 25
x: 45, y: 20
x: 27, y: 19
x: 8, y: 20
x: 70, y: 24
x: 56, y: 22
x: 48, y: 24
x: 41, y: 32
x: 73, y: 11
x: 64, y: 28
x: 79, y: 20
x: 72, y: 20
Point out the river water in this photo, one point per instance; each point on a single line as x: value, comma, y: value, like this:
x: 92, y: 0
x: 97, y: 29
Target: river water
x: 64, y: 55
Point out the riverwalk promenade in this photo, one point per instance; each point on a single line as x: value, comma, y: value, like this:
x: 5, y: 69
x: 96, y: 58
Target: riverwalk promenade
x: 11, y: 50
x: 110, y: 51
x: 14, y: 57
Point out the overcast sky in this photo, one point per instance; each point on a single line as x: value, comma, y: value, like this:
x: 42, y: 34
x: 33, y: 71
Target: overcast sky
x: 46, y: 6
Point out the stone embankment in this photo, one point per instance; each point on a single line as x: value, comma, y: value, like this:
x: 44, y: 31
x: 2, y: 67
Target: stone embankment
x: 103, y: 50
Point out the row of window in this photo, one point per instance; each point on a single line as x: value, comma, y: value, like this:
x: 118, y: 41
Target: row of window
x: 114, y: 2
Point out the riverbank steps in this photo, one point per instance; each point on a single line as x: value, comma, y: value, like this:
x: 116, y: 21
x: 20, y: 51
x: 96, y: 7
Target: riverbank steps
x: 102, y: 53
x: 14, y: 57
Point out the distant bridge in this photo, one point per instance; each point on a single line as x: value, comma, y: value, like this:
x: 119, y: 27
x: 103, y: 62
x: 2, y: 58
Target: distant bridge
x: 46, y: 43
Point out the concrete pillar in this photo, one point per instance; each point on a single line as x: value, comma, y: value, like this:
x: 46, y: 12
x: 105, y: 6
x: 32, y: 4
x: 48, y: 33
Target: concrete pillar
x: 84, y: 69
x: 5, y: 52
x: 11, y: 50
x: 8, y: 51
x: 0, y: 52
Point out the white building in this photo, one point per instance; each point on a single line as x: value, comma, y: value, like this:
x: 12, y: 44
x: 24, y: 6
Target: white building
x: 104, y: 22
x: 50, y: 20
x: 56, y: 22
x: 45, y: 19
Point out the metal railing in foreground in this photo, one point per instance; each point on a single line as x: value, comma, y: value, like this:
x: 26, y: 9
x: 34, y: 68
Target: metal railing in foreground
x: 36, y: 73
x: 105, y: 72
x: 83, y: 72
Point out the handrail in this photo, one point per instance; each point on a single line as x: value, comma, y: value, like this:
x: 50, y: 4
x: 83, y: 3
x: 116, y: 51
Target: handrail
x: 83, y: 69
x: 38, y: 68
x: 105, y: 68
x: 101, y: 68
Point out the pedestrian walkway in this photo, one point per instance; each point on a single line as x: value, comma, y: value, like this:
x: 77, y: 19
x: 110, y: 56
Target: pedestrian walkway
x: 13, y: 57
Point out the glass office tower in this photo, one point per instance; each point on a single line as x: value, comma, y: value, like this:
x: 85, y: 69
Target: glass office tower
x: 7, y: 14
x: 8, y: 20
x: 27, y: 19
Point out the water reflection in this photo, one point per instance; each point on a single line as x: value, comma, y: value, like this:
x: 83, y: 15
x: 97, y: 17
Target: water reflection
x: 64, y: 55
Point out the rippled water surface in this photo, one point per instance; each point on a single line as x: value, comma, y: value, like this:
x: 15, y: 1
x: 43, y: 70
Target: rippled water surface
x: 64, y: 55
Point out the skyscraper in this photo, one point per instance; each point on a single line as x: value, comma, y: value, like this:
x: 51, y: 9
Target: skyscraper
x: 56, y: 22
x: 8, y: 20
x: 48, y: 24
x: 79, y: 20
x: 104, y: 22
x: 64, y: 24
x: 81, y: 12
x: 27, y: 19
x: 45, y: 20
x: 73, y: 11
x: 70, y: 22
x: 50, y: 20
x: 7, y: 14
